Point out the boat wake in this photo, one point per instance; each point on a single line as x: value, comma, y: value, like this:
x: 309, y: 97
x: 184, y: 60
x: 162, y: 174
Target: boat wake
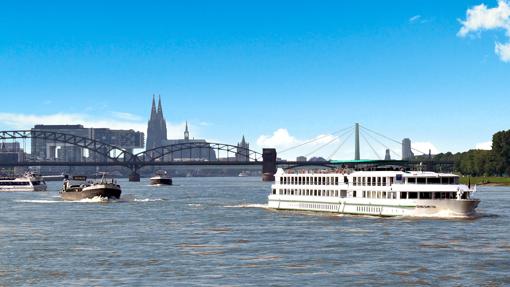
x: 38, y: 201
x: 147, y: 199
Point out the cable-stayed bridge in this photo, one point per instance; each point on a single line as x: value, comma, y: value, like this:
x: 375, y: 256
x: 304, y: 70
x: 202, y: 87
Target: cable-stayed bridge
x: 211, y: 154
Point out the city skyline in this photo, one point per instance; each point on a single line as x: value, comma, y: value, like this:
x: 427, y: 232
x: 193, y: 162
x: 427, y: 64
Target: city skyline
x: 437, y: 76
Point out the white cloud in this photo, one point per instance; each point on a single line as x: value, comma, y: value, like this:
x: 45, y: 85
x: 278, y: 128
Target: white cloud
x: 480, y: 18
x: 503, y: 51
x: 424, y: 147
x: 279, y: 139
x: 484, y: 145
x: 414, y: 19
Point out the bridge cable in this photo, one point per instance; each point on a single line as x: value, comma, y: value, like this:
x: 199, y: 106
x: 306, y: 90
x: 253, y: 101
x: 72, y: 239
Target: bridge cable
x: 340, y: 146
x: 388, y: 138
x: 314, y: 140
x: 381, y: 143
x: 322, y: 146
x: 371, y: 147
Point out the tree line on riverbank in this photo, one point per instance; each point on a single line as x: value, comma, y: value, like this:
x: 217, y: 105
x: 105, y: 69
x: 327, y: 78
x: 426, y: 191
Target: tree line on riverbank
x: 494, y: 162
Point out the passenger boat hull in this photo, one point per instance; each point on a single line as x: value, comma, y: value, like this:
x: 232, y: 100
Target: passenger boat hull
x: 419, y: 208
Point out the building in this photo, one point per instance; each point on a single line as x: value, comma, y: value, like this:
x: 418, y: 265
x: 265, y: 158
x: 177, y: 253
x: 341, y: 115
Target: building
x: 203, y: 151
x: 54, y: 150
x: 156, y: 127
x: 387, y: 156
x: 11, y: 152
x: 243, y: 151
x: 301, y: 158
x: 407, y: 153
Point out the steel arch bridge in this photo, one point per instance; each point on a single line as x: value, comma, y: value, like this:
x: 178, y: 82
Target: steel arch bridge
x: 119, y: 155
x: 211, y: 151
x: 187, y: 153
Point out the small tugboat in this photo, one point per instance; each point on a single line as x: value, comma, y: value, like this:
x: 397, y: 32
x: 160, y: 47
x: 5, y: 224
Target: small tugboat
x: 161, y: 178
x: 78, y: 188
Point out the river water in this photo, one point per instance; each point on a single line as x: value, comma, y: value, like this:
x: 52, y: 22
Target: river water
x: 217, y: 232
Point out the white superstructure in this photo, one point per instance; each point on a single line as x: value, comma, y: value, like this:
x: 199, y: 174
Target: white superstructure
x: 380, y: 193
x: 27, y: 182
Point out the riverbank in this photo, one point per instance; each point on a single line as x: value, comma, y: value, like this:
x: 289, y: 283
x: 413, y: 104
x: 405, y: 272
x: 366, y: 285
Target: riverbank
x: 486, y: 181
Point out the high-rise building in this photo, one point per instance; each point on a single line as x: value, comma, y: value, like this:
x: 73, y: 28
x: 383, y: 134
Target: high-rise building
x: 407, y: 152
x: 387, y: 156
x: 156, y: 129
x: 243, y: 151
x: 54, y: 150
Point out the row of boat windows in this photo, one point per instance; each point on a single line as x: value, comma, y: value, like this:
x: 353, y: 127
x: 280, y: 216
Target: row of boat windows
x: 313, y: 192
x: 431, y: 195
x: 369, y: 209
x: 380, y: 194
x: 14, y: 183
x: 371, y: 194
x: 433, y: 180
x: 313, y: 180
x: 318, y: 206
x: 372, y: 181
x: 363, y: 180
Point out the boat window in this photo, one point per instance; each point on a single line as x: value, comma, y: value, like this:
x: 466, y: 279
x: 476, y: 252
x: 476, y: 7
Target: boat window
x: 354, y: 181
x: 413, y: 195
x: 391, y: 180
x: 433, y: 180
x: 384, y: 181
x: 384, y: 194
x: 336, y: 180
x: 379, y: 181
x: 421, y: 180
x: 403, y: 195
x: 425, y: 195
x: 411, y: 180
x: 354, y: 193
x: 343, y: 193
x: 369, y: 181
x: 274, y: 190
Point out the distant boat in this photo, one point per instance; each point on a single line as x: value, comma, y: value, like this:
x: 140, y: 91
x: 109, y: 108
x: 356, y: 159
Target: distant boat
x: 78, y: 188
x: 161, y: 178
x: 28, y: 182
x: 243, y: 173
x: 55, y: 177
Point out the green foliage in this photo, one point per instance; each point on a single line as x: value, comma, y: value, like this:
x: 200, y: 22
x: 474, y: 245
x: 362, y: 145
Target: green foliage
x: 478, y: 163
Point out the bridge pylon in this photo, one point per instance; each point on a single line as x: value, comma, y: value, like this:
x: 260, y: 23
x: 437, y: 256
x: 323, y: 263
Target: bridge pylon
x: 268, y: 164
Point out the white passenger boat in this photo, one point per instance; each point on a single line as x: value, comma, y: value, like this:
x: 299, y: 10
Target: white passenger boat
x: 379, y: 193
x: 161, y: 178
x: 28, y: 182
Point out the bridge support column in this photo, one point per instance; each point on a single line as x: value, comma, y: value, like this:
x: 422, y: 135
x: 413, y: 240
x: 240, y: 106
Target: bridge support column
x: 134, y: 176
x: 268, y: 164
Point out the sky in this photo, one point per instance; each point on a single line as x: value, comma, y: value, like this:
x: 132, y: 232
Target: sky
x: 281, y: 73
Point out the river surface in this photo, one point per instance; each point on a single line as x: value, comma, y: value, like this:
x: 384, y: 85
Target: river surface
x: 217, y: 232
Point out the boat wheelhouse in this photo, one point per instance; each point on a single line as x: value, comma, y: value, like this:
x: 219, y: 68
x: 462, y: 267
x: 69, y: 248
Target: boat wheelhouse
x: 380, y: 193
x: 28, y: 182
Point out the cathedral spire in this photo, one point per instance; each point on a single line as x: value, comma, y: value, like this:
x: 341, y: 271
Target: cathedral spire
x: 153, y: 109
x: 186, y: 132
x: 160, y: 109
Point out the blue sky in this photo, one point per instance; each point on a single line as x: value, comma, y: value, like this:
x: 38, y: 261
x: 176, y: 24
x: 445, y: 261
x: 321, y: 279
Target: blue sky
x: 279, y: 73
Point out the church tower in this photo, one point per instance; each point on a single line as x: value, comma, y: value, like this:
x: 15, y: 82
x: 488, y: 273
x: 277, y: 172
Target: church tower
x: 186, y: 132
x: 156, y: 128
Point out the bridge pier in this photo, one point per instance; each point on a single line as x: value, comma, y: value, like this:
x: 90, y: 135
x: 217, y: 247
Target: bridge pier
x: 134, y: 176
x: 268, y: 164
